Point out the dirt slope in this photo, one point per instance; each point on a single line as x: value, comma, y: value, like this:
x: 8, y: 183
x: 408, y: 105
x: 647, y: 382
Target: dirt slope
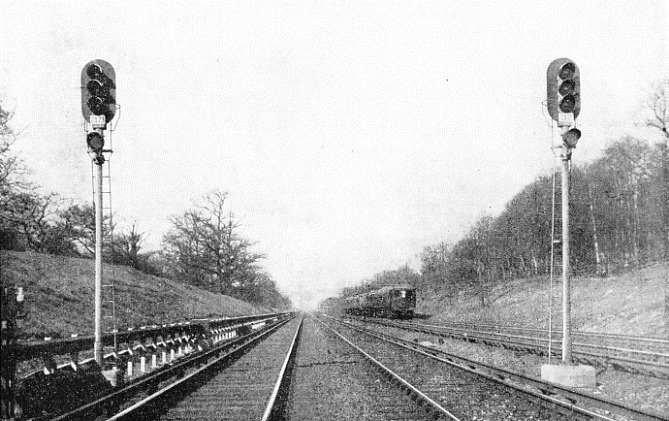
x: 59, y: 295
x: 630, y: 303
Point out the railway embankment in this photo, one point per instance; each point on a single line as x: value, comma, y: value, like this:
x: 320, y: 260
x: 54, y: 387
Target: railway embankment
x: 59, y: 296
x: 630, y: 303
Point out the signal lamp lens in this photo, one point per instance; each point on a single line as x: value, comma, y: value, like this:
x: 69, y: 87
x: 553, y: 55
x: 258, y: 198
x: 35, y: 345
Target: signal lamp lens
x: 568, y: 104
x: 95, y: 87
x: 567, y: 87
x: 95, y: 141
x: 97, y: 105
x: 567, y: 71
x: 94, y: 71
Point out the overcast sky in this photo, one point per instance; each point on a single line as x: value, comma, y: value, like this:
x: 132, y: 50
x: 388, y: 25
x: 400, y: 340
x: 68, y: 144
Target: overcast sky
x: 349, y: 134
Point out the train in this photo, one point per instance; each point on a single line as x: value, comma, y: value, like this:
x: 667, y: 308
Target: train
x: 391, y: 301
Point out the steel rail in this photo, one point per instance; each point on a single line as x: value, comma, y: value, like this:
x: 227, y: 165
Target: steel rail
x: 504, y: 375
x: 433, y: 405
x: 177, y: 369
x: 648, y: 344
x: 536, y: 343
x: 274, y: 407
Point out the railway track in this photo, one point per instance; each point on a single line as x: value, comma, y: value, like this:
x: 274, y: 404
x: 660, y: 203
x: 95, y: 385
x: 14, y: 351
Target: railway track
x: 583, y: 405
x: 461, y: 392
x: 335, y: 381
x: 646, y: 356
x: 243, y: 385
x: 149, y: 397
x: 650, y: 344
x: 332, y: 369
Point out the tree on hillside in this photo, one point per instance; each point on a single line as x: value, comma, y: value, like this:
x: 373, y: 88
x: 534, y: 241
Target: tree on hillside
x: 658, y: 104
x: 10, y: 182
x: 625, y: 201
x: 481, y: 239
x: 615, y: 210
x: 10, y: 166
x: 32, y: 220
x: 127, y: 250
x: 29, y: 219
x: 434, y: 262
x: 206, y: 248
x: 80, y: 222
x: 262, y: 290
x: 402, y: 276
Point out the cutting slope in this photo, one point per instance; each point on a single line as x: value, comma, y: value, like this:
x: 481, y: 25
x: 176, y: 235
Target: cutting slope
x: 629, y: 303
x: 59, y: 295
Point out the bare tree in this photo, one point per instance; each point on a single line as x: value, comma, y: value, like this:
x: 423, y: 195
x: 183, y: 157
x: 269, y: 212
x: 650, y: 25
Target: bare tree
x: 658, y: 105
x: 206, y: 247
x: 434, y: 262
x: 9, y: 165
x: 127, y: 246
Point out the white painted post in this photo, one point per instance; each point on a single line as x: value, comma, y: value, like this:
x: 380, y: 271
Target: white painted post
x: 97, y: 344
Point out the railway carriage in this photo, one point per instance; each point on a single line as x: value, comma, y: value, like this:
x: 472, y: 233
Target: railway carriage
x: 397, y: 301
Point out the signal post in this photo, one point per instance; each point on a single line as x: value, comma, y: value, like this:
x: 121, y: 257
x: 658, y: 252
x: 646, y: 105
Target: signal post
x: 98, y: 107
x: 563, y: 82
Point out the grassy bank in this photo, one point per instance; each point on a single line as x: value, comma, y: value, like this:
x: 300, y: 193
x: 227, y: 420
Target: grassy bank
x: 629, y: 303
x: 59, y: 295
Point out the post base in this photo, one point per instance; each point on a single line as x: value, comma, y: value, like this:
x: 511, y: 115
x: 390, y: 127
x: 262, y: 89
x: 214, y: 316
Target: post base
x: 114, y: 376
x: 577, y: 376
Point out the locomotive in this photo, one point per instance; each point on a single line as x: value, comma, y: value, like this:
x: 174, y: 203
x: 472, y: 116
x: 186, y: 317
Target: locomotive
x: 397, y: 301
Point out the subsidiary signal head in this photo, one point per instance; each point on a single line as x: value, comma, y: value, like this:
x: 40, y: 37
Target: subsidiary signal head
x: 571, y: 137
x: 98, y: 90
x: 563, y: 81
x: 95, y: 141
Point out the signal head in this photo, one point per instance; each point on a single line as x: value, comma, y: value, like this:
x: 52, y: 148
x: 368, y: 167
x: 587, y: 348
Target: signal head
x: 98, y: 93
x: 563, y: 83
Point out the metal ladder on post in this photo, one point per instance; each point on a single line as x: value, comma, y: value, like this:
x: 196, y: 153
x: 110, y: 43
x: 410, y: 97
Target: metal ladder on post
x: 556, y: 250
